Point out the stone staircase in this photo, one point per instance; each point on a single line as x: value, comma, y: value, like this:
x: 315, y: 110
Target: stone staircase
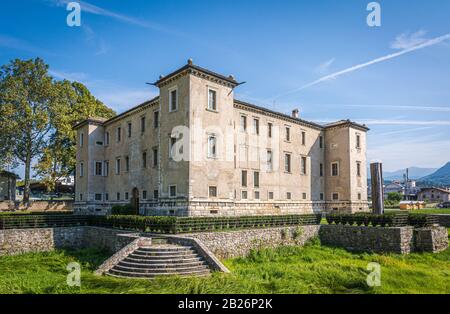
x: 160, y: 259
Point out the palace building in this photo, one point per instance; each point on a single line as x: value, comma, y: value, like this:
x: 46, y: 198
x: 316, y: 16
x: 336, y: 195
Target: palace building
x: 195, y: 150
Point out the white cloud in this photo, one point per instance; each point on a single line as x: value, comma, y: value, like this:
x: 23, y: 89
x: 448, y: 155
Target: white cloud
x: 428, y: 43
x: 408, y: 40
x: 407, y: 108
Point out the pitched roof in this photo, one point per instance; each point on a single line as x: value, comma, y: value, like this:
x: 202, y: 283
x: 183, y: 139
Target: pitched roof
x: 4, y: 173
x: 230, y: 79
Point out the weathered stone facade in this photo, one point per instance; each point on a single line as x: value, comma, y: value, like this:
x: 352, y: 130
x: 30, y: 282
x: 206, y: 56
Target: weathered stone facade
x: 430, y: 239
x: 197, y: 151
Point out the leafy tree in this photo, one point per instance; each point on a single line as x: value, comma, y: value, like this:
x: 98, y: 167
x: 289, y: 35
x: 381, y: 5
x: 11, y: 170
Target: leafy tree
x: 72, y: 103
x: 394, y: 197
x: 25, y: 95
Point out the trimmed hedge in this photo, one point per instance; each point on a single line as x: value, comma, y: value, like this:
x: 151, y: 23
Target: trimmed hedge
x: 122, y: 210
x: 200, y: 224
x: 385, y: 220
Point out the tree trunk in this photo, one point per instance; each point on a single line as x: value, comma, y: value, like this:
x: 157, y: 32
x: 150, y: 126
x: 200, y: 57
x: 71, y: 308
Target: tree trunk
x: 26, y: 188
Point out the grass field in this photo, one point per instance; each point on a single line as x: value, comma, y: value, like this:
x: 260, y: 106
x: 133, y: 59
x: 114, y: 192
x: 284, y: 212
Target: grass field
x: 310, y: 269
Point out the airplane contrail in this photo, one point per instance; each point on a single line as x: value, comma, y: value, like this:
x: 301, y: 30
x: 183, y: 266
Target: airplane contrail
x: 425, y: 44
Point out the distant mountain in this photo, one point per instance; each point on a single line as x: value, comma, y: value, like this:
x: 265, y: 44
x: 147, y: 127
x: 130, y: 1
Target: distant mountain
x: 439, y: 177
x: 414, y: 173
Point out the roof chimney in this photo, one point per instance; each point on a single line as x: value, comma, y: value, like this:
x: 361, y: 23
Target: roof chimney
x: 190, y: 61
x: 295, y: 113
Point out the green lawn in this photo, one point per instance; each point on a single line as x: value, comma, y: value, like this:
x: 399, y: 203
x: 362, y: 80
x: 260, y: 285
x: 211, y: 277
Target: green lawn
x: 310, y: 269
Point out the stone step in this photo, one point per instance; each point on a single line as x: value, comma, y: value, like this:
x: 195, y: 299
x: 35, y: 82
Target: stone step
x: 160, y: 241
x: 161, y: 265
x: 129, y: 274
x: 153, y: 270
x: 166, y: 248
x: 162, y: 256
x: 162, y: 260
x: 122, y: 275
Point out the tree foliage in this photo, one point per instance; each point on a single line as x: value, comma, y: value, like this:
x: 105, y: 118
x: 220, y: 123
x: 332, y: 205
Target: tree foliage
x: 36, y: 119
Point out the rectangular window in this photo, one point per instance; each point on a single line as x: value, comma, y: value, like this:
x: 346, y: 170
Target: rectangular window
x: 358, y: 141
x: 304, y: 196
x: 155, y: 194
x: 244, y: 178
x: 107, y: 138
x: 144, y: 195
x: 269, y: 129
x: 335, y: 196
x: 142, y: 124
x: 288, y: 134
x: 81, y: 139
x: 270, y: 195
x: 256, y: 179
x: 244, y: 195
x: 321, y: 141
x: 127, y: 196
x: 321, y: 170
x: 81, y: 169
x: 98, y: 196
x: 98, y: 168
x: 321, y: 196
x: 118, y: 196
x: 212, y: 191
x: 269, y: 160
x: 303, y: 165
x: 173, y: 100
x: 155, y: 157
x: 359, y: 196
x: 173, y: 191
x: 156, y: 119
x: 334, y: 169
x: 303, y: 138
x: 243, y: 123
x: 288, y: 195
x: 256, y: 195
x: 129, y: 129
x: 212, y: 100
x: 256, y: 126
x: 212, y: 146
x: 81, y: 196
x: 127, y: 163
x: 287, y: 163
x: 144, y: 160
x: 118, y: 134
x: 358, y: 168
x: 106, y: 197
x: 118, y: 166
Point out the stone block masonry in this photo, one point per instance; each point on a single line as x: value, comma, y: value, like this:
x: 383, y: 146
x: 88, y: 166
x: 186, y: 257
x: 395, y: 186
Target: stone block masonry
x: 240, y: 243
x: 20, y: 241
x: 368, y: 239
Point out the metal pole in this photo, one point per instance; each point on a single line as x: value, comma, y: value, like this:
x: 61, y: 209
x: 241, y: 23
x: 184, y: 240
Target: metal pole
x: 376, y: 172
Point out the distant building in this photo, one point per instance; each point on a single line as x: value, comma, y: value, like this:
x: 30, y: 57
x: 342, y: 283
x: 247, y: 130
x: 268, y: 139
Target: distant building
x: 438, y: 195
x: 408, y: 190
x: 8, y: 186
x: 69, y: 180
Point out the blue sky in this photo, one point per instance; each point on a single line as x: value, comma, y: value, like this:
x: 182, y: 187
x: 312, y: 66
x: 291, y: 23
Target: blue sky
x: 292, y: 54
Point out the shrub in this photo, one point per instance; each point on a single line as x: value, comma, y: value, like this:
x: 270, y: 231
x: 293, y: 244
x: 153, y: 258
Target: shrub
x: 122, y: 210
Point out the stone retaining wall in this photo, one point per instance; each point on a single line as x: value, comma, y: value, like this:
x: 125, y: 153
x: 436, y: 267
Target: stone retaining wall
x: 444, y: 220
x: 368, y: 239
x: 434, y: 239
x: 37, y: 206
x: 241, y: 242
x: 19, y: 241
